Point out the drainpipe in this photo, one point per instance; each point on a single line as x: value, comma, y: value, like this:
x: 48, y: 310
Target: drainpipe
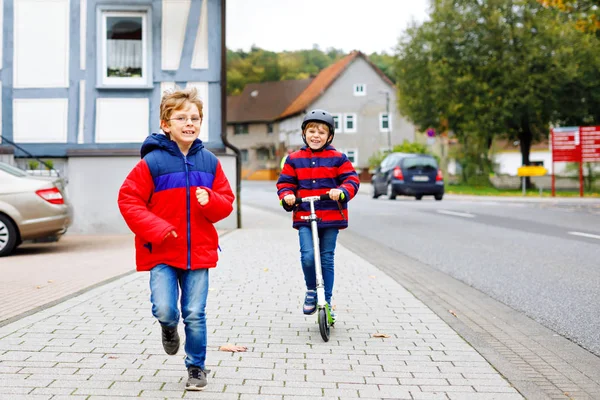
x: 238, y: 153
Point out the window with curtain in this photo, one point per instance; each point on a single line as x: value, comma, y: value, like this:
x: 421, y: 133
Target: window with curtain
x: 124, y: 46
x: 124, y: 40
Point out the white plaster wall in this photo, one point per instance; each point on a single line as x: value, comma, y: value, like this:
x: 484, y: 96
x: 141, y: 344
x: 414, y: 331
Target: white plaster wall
x: 164, y: 86
x: 93, y: 187
x: 121, y: 120
x: 290, y: 131
x: 40, y: 120
x: 203, y: 93
x: 200, y: 56
x: 174, y: 21
x: 41, y: 40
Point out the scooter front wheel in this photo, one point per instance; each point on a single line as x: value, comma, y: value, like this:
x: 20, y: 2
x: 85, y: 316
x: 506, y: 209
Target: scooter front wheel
x: 323, y: 324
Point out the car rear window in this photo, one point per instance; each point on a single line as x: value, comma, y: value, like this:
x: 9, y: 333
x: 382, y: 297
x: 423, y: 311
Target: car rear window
x: 12, y: 170
x: 420, y: 163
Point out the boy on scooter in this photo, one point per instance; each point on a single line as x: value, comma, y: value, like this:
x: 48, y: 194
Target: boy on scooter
x: 316, y: 169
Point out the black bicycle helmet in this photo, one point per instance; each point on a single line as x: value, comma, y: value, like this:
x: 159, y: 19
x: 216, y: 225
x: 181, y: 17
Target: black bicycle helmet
x: 323, y: 117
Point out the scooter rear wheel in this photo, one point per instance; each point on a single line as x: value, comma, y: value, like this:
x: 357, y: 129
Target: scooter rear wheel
x: 323, y: 324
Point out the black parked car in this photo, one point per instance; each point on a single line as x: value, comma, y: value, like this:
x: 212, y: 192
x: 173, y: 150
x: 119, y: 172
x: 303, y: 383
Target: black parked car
x: 408, y: 174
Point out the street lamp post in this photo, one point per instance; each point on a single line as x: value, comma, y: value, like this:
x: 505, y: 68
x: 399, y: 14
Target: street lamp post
x: 387, y: 111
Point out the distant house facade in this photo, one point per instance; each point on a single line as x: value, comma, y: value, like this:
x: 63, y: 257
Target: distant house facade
x: 253, y: 124
x: 82, y: 82
x: 360, y: 97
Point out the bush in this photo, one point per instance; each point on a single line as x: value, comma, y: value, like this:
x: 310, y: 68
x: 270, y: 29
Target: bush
x: 33, y: 165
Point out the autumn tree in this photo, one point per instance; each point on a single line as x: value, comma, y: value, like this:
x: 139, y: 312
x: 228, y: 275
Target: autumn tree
x: 496, y: 68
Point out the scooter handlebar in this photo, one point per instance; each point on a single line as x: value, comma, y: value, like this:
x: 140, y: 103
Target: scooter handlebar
x: 320, y: 198
x: 313, y: 198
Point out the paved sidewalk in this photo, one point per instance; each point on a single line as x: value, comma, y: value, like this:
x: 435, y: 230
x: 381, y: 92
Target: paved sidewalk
x: 105, y: 343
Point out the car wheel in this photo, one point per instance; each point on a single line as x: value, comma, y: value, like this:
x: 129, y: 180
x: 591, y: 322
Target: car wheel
x: 419, y: 197
x: 374, y: 192
x: 8, y: 236
x: 390, y: 192
x: 439, y: 197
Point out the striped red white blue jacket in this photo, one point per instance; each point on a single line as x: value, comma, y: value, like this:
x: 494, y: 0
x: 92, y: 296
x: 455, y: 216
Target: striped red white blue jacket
x: 312, y: 173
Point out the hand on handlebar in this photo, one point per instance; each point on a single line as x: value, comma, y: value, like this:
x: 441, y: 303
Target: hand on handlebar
x: 335, y: 194
x: 290, y: 199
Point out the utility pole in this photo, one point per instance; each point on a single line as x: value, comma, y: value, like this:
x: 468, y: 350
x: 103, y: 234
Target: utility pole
x: 387, y: 111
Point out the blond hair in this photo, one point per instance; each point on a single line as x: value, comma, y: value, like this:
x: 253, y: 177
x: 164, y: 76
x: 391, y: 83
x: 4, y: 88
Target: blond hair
x: 314, y: 124
x: 175, y: 99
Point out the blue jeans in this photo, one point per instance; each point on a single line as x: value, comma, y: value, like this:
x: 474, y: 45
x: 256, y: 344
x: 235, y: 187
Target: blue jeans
x: 327, y: 240
x: 165, y: 282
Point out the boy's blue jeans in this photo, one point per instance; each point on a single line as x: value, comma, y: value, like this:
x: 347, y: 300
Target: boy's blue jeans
x: 165, y: 282
x: 327, y: 241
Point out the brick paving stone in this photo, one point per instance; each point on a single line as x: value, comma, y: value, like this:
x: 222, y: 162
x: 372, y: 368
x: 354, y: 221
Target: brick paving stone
x: 105, y: 344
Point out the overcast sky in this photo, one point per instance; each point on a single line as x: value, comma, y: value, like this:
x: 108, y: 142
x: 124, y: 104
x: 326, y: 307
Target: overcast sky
x: 277, y: 25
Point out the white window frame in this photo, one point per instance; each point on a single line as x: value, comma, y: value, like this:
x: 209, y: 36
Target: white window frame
x: 354, y: 123
x: 360, y: 89
x: 381, y: 128
x: 354, y: 151
x: 340, y: 127
x: 105, y: 82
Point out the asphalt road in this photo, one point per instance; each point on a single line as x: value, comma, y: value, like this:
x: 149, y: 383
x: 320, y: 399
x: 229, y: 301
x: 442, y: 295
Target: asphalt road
x: 539, y: 258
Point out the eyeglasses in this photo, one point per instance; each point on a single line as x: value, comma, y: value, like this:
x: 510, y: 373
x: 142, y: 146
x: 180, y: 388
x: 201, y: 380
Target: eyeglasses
x: 183, y: 120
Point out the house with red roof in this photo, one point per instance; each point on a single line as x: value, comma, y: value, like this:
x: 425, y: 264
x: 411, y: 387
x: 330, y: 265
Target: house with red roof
x: 264, y: 121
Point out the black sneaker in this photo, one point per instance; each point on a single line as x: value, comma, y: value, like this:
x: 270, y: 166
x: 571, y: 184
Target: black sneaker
x: 170, y: 340
x: 196, y: 378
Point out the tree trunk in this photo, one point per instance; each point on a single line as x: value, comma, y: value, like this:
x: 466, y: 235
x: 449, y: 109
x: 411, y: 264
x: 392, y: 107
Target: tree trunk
x: 525, y: 139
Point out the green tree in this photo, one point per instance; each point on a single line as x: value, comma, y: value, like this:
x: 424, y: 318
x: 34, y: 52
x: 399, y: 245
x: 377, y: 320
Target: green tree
x: 487, y: 69
x: 260, y: 65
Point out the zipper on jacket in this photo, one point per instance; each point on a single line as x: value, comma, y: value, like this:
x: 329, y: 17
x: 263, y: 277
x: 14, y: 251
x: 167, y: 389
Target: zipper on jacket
x: 189, y: 227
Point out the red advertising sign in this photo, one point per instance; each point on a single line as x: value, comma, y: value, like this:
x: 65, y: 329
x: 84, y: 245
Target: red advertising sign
x: 590, y: 143
x: 566, y: 144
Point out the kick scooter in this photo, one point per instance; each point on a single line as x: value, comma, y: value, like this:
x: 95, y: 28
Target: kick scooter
x: 323, y: 312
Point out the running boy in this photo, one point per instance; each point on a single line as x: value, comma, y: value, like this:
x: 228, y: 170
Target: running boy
x: 170, y: 200
x: 316, y: 169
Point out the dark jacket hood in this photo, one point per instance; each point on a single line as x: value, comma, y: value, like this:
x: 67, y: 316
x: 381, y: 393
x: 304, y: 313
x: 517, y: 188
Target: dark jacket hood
x: 161, y: 141
x: 328, y: 147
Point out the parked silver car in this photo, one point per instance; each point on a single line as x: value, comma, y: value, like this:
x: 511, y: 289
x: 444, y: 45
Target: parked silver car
x: 31, y: 208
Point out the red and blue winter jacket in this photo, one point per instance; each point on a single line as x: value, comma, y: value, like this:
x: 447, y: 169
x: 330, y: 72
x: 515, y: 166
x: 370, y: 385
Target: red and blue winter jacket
x: 313, y: 173
x: 159, y: 196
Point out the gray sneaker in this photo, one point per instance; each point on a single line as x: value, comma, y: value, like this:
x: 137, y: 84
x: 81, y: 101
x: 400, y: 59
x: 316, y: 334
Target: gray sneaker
x: 196, y: 378
x: 170, y: 340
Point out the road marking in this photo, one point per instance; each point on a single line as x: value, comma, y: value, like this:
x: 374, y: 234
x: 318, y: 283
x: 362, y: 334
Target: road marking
x: 456, y: 213
x: 587, y: 235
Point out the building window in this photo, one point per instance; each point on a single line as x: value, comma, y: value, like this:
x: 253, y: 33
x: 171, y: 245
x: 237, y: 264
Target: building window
x: 269, y: 129
x: 244, y: 153
x: 360, y: 89
x: 125, y: 47
x: 350, y: 123
x: 263, y: 154
x: 352, y: 155
x: 385, y: 122
x: 240, y: 129
x: 337, y: 118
